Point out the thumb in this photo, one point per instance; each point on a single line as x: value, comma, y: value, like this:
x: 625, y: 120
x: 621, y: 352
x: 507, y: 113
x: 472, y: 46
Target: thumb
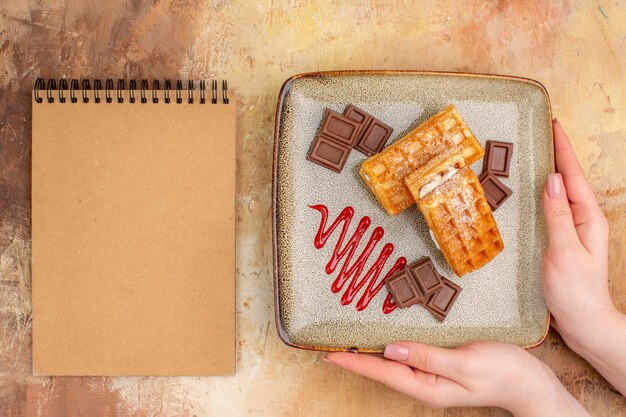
x: 557, y: 212
x: 427, y: 358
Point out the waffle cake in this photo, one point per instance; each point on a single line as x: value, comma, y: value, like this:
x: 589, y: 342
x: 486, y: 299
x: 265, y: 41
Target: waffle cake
x: 444, y: 133
x: 453, y: 203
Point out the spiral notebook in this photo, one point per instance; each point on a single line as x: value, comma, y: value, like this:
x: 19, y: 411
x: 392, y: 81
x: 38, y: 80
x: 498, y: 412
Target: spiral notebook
x: 133, y: 228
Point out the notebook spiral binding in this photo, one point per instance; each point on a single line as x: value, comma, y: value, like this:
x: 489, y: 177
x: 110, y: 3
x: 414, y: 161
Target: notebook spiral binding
x: 85, y: 86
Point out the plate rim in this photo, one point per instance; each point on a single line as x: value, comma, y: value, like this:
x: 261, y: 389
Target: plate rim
x: 284, y: 90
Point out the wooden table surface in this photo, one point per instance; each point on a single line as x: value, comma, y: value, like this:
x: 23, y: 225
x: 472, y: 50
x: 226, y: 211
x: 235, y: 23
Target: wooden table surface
x: 577, y: 49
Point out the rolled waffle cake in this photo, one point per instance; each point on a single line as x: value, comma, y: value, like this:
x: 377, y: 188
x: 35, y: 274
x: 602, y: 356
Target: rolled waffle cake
x: 453, y: 203
x: 445, y: 133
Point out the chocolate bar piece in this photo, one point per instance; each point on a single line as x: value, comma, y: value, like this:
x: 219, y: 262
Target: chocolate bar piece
x: 403, y: 289
x: 495, y: 190
x: 374, y: 138
x: 340, y: 128
x: 360, y: 116
x: 329, y: 153
x: 373, y: 134
x: 498, y: 158
x: 426, y: 277
x: 440, y: 303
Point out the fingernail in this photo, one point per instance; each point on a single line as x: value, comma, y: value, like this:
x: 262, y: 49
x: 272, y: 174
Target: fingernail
x: 553, y: 185
x: 396, y: 352
x: 325, y: 359
x: 555, y: 120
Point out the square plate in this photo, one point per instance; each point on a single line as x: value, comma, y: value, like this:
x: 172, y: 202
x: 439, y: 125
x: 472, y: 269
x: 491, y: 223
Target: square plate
x: 502, y: 301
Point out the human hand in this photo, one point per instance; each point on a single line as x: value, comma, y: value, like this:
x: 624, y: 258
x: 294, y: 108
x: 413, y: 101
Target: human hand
x: 575, y: 263
x: 575, y: 268
x: 478, y: 374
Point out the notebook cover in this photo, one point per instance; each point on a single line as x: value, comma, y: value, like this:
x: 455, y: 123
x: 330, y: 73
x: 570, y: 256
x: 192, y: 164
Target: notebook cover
x: 133, y: 228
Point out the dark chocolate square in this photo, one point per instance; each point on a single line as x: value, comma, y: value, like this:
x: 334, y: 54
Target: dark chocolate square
x: 498, y: 158
x: 495, y: 190
x: 440, y: 303
x: 329, y: 153
x: 360, y: 116
x: 374, y: 138
x: 426, y: 277
x: 338, y: 127
x: 403, y: 289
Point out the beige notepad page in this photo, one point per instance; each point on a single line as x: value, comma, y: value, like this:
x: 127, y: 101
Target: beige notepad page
x: 133, y: 228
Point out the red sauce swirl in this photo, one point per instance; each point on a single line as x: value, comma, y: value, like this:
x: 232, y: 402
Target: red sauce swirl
x: 351, y: 272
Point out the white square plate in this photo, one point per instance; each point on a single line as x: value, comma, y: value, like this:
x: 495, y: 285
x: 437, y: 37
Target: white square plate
x: 502, y: 301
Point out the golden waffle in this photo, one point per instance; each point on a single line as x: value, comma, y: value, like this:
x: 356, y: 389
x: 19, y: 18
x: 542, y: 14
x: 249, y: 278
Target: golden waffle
x: 444, y: 133
x: 459, y: 216
x: 424, y: 174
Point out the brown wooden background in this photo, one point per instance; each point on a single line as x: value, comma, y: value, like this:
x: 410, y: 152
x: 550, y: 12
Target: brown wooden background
x: 577, y: 49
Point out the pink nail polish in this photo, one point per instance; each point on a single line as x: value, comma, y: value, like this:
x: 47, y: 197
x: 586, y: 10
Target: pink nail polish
x: 396, y: 352
x: 554, y: 185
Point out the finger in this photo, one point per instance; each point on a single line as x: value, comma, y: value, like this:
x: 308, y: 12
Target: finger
x: 557, y: 213
x: 567, y: 165
x: 427, y: 358
x: 588, y: 217
x: 420, y: 385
